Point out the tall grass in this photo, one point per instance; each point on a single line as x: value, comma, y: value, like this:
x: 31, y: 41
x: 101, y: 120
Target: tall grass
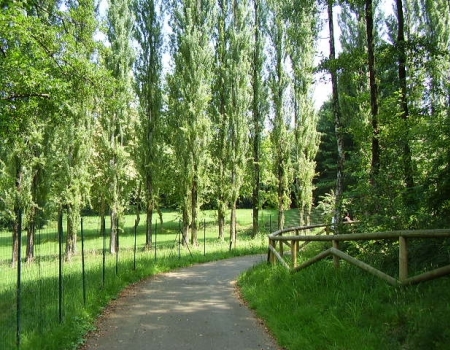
x: 325, y: 308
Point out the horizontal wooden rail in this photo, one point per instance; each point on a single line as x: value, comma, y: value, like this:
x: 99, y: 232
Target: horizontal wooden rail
x: 402, y: 236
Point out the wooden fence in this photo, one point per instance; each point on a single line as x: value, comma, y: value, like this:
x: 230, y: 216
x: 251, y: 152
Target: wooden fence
x: 291, y: 237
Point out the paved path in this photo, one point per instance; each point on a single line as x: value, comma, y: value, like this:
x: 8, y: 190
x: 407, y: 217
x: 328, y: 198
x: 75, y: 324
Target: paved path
x: 191, y: 308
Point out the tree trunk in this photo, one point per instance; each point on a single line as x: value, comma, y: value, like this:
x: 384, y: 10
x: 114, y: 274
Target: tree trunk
x: 149, y: 209
x: 102, y: 219
x: 375, y: 166
x: 71, y: 241
x: 32, y: 217
x: 149, y: 223
x: 17, y: 225
x: 255, y: 210
x: 281, y: 197
x: 233, y: 235
x: 337, y: 123
x: 194, y: 209
x: 185, y: 228
x: 407, y: 154
x: 31, y: 233
x: 281, y: 218
x: 17, y: 235
x: 221, y: 220
x: 114, y: 231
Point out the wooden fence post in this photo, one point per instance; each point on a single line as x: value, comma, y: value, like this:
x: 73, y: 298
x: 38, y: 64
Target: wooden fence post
x: 273, y: 258
x: 402, y: 259
x: 294, y: 250
x: 336, y: 258
x: 281, y: 246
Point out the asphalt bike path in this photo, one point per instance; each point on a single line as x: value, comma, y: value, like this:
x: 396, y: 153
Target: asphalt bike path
x: 194, y: 308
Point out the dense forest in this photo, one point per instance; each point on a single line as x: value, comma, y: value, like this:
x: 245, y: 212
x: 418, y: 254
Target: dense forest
x: 149, y: 104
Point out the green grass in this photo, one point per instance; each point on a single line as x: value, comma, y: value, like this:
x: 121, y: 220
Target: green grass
x: 325, y: 308
x: 40, y: 325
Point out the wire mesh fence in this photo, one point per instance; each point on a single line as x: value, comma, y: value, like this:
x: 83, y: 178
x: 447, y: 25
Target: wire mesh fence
x: 50, y: 289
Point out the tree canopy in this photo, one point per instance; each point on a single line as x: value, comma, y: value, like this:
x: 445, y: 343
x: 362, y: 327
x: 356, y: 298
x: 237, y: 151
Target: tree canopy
x: 210, y: 104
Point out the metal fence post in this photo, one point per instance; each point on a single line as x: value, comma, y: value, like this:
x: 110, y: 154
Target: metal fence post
x: 60, y: 272
x: 135, y: 243
x: 83, y: 263
x: 156, y: 230
x: 117, y: 246
x: 19, y: 276
x: 104, y: 252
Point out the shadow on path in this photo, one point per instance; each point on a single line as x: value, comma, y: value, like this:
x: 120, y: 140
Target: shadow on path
x: 191, y: 308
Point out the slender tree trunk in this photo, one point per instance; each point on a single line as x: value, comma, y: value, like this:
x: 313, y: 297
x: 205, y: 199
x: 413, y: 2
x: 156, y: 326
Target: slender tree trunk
x: 233, y: 235
x: 31, y: 218
x: 71, y: 240
x: 31, y: 233
x: 337, y: 122
x: 17, y: 225
x: 281, y: 196
x: 407, y: 154
x: 194, y: 209
x: 149, y: 223
x: 102, y: 218
x: 17, y: 233
x: 255, y: 197
x: 185, y: 228
x: 149, y: 210
x: 114, y: 231
x: 375, y: 166
x: 221, y: 218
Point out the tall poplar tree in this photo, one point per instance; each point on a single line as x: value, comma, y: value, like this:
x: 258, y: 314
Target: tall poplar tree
x: 220, y: 101
x: 148, y: 76
x: 117, y: 118
x: 302, y: 22
x: 258, y: 108
x: 189, y: 98
x: 279, y: 83
x: 238, y: 108
x: 231, y: 105
x: 73, y: 138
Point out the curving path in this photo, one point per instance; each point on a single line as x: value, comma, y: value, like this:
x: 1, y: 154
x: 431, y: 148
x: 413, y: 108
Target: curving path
x: 191, y: 308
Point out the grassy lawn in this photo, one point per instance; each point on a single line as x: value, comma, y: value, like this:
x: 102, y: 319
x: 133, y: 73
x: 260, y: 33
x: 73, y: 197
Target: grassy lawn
x: 318, y: 308
x: 50, y: 322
